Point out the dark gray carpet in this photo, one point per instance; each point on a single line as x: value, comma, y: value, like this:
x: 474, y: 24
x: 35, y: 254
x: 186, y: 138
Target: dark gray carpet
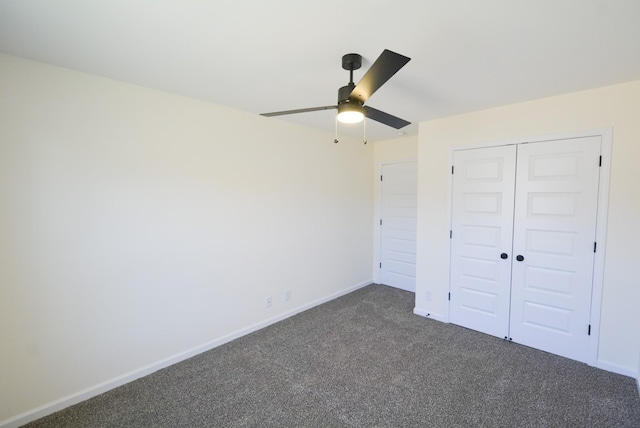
x: 365, y: 360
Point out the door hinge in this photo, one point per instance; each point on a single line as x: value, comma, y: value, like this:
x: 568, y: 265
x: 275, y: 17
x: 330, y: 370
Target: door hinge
x: 449, y: 296
x: 589, y: 331
x: 451, y: 169
x: 380, y: 178
x: 380, y: 222
x: 450, y: 234
x: 380, y: 265
x: 595, y: 245
x: 600, y: 163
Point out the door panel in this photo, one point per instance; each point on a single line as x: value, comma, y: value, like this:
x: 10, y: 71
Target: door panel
x: 482, y: 225
x: 398, y: 210
x: 554, y: 230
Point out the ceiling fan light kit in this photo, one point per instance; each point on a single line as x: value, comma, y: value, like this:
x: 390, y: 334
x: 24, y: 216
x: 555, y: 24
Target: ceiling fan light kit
x: 350, y: 112
x: 351, y: 98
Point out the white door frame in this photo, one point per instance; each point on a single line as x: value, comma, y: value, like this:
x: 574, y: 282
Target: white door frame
x: 377, y: 235
x: 606, y: 135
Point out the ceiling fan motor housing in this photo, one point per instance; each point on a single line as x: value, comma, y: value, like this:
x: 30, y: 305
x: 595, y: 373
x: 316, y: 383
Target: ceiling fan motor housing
x: 344, y: 92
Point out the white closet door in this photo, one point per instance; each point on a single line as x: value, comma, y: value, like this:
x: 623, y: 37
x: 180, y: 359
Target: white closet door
x: 398, y: 212
x: 482, y: 225
x: 554, y: 232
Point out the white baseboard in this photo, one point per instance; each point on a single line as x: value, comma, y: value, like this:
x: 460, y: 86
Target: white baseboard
x: 638, y: 383
x: 421, y: 312
x: 610, y: 367
x: 425, y: 313
x: 85, y: 394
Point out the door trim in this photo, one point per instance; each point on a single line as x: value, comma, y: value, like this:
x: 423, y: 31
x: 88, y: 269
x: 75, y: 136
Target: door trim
x: 606, y: 137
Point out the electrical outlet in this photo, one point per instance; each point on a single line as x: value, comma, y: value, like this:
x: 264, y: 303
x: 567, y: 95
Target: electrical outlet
x: 267, y: 302
x: 427, y: 296
x: 287, y: 295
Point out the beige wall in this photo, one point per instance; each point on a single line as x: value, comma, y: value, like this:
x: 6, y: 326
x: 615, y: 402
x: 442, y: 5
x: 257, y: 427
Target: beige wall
x: 388, y: 151
x: 395, y: 150
x: 139, y: 227
x: 614, y: 106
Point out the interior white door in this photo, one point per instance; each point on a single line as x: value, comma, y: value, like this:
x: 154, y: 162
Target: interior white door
x: 482, y: 227
x: 398, y: 213
x: 553, y: 244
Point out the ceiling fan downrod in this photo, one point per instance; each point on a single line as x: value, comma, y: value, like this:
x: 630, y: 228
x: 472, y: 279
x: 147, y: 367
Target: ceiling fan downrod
x: 350, y: 62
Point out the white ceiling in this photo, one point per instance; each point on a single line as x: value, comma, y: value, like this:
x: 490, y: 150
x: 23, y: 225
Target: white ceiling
x: 262, y: 56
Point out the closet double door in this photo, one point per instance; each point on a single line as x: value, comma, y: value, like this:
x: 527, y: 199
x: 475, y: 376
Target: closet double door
x: 523, y: 242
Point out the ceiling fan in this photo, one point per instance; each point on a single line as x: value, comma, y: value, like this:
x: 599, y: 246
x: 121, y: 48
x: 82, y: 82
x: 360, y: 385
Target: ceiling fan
x: 351, y: 98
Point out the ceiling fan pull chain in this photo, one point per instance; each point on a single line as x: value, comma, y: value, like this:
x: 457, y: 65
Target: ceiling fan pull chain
x: 364, y: 130
x: 336, y: 139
